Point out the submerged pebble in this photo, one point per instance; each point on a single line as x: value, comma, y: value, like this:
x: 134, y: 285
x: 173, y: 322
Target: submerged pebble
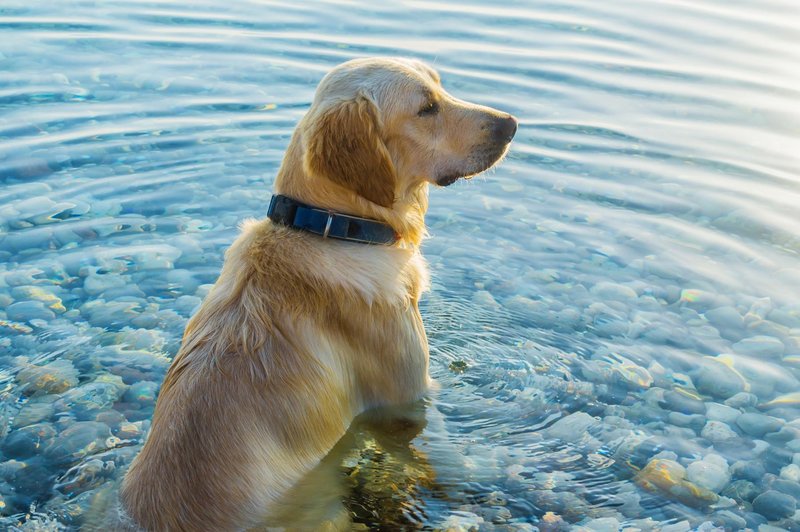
x: 572, y: 428
x: 757, y: 425
x: 741, y: 491
x: 79, y: 440
x: 717, y: 431
x: 669, y: 478
x: 710, y: 473
x: 723, y: 413
x: 29, y: 441
x: 25, y: 311
x: 760, y: 346
x: 34, y: 411
x: 774, y: 505
x: 87, y: 400
x: 718, y: 380
x: 683, y: 402
x: 54, y: 377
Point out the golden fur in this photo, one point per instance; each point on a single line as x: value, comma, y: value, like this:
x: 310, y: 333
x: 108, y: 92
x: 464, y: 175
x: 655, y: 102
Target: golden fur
x: 300, y: 334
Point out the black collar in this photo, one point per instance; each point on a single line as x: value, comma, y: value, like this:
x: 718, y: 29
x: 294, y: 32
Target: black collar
x: 328, y: 224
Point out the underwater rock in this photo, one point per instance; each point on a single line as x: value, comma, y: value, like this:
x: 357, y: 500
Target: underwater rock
x: 757, y: 425
x: 710, y: 473
x: 717, y: 431
x: 143, y: 392
x: 462, y: 521
x: 34, y: 412
x: 786, y: 317
x: 571, y: 428
x: 85, y: 476
x: 25, y: 311
x: 147, y: 339
x: 682, y: 401
x: 54, y: 377
x: 760, y: 347
x: 609, y: 325
x: 717, y: 379
x: 31, y: 482
x: 602, y: 524
x: 728, y: 520
x: 757, y: 522
x: 113, y: 418
x: 630, y: 374
x: 789, y: 399
x: 132, y: 365
x: 788, y: 487
x: 791, y: 472
x: 669, y: 478
x: 182, y: 281
x: 613, y: 291
x: 739, y: 448
x: 681, y: 526
x: 726, y: 319
x: 45, y: 295
x: 97, y: 283
x: 186, y: 305
x: 693, y: 421
x: 700, y: 300
x: 774, y: 505
x: 742, y: 400
x: 28, y: 441
x: 497, y: 515
x: 132, y: 430
x: 763, y: 376
x: 775, y: 458
x: 39, y: 210
x: 741, y: 491
x: 720, y: 412
x: 87, y: 400
x: 79, y: 440
x: 113, y: 313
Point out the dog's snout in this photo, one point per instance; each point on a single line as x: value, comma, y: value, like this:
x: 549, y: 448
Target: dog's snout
x: 504, y: 128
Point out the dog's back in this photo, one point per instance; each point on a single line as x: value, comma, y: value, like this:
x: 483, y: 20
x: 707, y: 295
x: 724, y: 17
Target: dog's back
x: 266, y: 381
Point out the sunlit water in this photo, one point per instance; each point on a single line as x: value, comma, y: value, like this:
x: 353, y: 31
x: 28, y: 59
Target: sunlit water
x: 614, y: 320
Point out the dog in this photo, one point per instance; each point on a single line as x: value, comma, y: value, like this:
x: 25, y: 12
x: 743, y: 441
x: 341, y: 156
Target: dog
x: 314, y: 318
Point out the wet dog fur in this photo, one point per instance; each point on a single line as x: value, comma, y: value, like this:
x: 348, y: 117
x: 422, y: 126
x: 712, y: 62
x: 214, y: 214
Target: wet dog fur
x: 301, y: 334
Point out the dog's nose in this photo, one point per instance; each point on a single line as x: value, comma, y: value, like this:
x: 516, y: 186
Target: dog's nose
x: 504, y: 128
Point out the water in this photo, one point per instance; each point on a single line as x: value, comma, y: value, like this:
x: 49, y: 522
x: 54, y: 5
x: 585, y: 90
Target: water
x: 629, y: 269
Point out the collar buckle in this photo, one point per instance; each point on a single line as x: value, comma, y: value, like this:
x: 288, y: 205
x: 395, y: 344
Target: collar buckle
x: 328, y: 224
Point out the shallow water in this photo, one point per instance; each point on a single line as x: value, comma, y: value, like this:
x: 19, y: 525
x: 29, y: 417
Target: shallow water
x: 614, y: 319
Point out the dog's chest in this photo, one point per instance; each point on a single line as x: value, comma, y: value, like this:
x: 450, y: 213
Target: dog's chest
x: 376, y: 273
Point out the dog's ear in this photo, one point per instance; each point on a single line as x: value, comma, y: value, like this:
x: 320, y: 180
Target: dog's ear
x: 343, y: 144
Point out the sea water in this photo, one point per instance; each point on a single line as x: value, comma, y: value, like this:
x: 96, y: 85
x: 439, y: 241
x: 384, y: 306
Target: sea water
x: 614, y: 317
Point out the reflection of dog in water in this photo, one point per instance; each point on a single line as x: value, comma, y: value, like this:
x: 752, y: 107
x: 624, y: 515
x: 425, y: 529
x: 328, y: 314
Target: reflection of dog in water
x: 371, y: 479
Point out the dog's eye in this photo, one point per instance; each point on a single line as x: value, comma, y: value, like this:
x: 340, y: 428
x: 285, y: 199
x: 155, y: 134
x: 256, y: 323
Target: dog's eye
x: 430, y: 109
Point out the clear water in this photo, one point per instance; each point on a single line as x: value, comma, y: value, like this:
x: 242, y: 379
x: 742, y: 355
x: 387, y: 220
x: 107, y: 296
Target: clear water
x: 630, y: 267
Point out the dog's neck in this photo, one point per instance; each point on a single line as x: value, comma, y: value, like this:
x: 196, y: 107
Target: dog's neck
x: 406, y: 215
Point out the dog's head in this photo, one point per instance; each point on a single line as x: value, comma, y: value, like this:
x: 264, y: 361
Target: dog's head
x: 381, y: 127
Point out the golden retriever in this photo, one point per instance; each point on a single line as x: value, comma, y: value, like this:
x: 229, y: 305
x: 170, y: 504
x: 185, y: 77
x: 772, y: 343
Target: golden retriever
x: 303, y: 332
